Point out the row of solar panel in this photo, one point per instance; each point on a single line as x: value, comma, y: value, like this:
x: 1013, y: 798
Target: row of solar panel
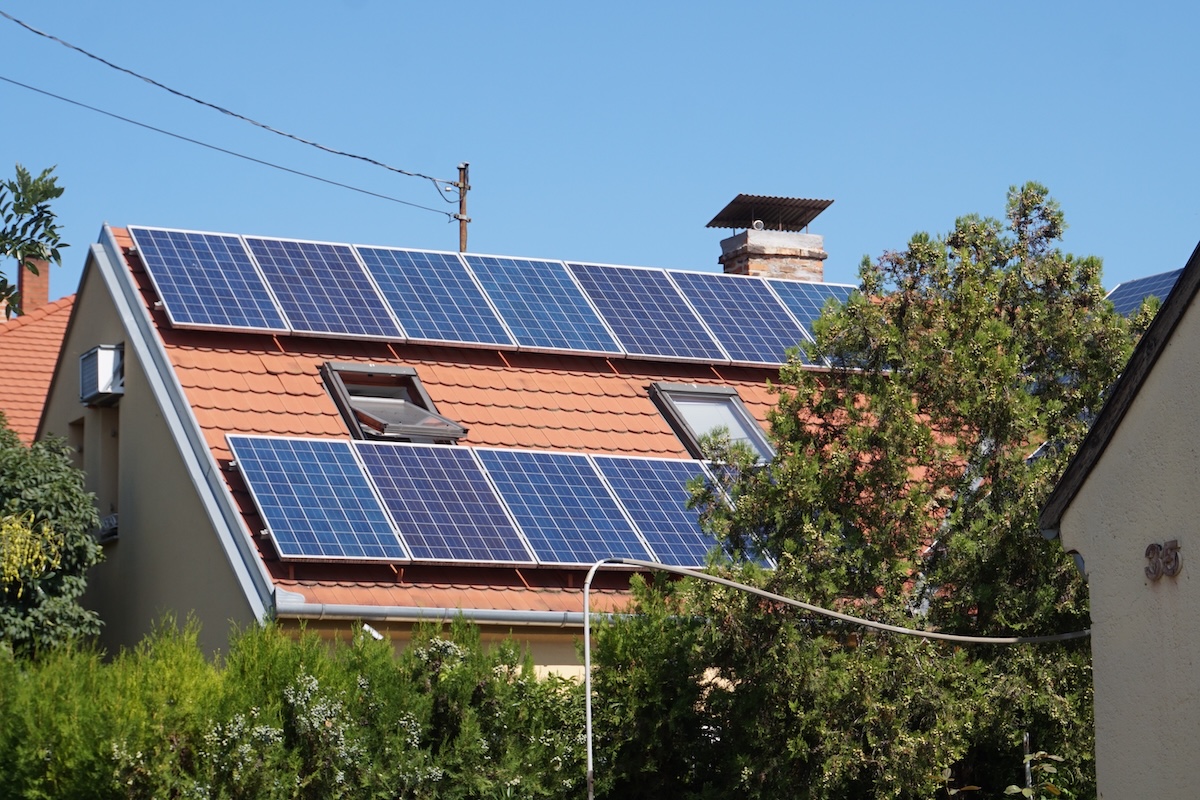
x: 209, y: 280
x: 330, y: 499
x: 1127, y: 297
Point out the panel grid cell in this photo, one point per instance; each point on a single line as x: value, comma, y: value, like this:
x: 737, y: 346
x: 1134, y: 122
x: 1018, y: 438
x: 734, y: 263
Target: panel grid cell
x: 1127, y: 297
x: 433, y: 296
x: 206, y: 280
x: 563, y: 507
x: 442, y: 503
x: 541, y: 305
x: 806, y: 300
x: 323, y: 289
x: 315, y: 500
x: 647, y: 313
x: 655, y: 495
x: 749, y: 322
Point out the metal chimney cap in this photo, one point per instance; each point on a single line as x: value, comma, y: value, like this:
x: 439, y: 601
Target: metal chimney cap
x: 776, y: 213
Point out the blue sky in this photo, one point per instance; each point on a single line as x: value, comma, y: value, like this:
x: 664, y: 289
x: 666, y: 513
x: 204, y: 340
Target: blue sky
x: 613, y: 132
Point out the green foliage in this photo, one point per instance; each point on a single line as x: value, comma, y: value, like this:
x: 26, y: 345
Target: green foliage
x: 27, y: 227
x: 39, y: 606
x: 902, y: 490
x: 288, y: 717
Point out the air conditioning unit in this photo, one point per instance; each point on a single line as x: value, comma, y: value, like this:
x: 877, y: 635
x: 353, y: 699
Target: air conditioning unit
x: 102, y: 375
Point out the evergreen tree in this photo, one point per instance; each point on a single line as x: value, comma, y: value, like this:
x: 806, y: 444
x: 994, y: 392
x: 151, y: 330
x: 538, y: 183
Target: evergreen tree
x: 906, y: 488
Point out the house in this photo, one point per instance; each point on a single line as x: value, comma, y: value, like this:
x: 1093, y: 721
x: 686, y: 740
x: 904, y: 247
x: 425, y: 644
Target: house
x: 29, y: 346
x: 1127, y: 506
x: 327, y: 434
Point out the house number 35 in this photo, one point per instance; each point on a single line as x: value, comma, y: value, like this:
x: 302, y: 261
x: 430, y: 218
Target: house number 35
x: 1164, y: 559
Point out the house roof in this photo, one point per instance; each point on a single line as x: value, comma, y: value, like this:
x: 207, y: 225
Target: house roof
x: 258, y: 383
x: 29, y: 346
x: 1126, y: 389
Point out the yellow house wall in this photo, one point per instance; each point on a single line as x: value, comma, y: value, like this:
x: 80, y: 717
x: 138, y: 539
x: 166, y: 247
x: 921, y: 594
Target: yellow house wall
x: 1146, y: 634
x: 167, y: 557
x: 552, y: 651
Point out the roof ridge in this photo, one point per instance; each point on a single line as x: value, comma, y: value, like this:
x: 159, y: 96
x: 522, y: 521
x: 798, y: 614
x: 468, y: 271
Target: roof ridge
x: 37, y: 314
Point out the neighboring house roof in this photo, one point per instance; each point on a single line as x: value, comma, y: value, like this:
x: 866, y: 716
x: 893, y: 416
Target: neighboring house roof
x: 1126, y: 389
x: 29, y: 347
x: 270, y: 384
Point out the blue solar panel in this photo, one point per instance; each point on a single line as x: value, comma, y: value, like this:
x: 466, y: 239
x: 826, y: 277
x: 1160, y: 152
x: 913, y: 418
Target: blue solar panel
x: 1127, y: 297
x: 806, y: 300
x: 206, y: 280
x: 315, y: 500
x: 654, y: 493
x: 541, y: 305
x: 323, y: 289
x: 647, y: 313
x: 442, y: 504
x: 434, y: 296
x: 749, y: 322
x: 565, y: 511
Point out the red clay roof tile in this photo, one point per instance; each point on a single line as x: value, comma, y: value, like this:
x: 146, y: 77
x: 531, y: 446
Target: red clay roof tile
x: 259, y: 384
x: 29, y: 347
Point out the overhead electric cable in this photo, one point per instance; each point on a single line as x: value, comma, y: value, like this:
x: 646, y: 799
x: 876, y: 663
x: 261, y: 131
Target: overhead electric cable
x: 181, y: 137
x: 778, y: 598
x: 437, y: 182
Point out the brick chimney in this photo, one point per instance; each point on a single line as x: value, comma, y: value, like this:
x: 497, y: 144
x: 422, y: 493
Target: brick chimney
x: 34, y: 289
x: 775, y: 243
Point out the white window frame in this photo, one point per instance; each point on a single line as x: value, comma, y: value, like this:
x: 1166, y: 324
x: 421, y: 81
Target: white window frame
x: 677, y: 402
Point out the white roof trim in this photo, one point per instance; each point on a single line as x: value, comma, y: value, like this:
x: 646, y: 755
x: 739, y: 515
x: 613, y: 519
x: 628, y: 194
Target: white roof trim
x: 185, y: 430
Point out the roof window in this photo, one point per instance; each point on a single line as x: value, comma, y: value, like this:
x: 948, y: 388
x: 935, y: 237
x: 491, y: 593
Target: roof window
x: 695, y: 411
x: 386, y: 402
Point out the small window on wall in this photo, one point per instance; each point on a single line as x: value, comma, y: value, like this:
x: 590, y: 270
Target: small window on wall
x: 694, y: 411
x: 383, y: 402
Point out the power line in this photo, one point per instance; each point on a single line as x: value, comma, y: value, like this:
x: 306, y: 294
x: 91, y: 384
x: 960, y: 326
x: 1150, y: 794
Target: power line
x: 438, y: 183
x: 181, y: 137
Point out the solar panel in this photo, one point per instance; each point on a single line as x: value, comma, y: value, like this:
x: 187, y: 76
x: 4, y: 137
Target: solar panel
x: 1127, y: 297
x: 434, y: 296
x: 315, y: 500
x: 206, y: 280
x: 806, y: 300
x: 654, y: 493
x: 749, y: 322
x: 565, y: 511
x: 442, y: 503
x: 323, y: 289
x: 541, y: 305
x: 646, y: 312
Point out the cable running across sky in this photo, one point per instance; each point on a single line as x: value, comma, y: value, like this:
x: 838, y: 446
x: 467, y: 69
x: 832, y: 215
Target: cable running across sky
x: 181, y: 137
x: 438, y: 183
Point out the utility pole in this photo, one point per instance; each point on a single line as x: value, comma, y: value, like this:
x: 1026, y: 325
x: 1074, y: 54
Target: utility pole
x: 463, y: 187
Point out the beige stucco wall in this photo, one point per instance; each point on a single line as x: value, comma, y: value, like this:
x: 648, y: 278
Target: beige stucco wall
x: 167, y: 558
x: 1146, y: 634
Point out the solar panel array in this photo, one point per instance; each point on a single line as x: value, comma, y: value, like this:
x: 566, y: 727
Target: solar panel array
x: 328, y: 499
x: 315, y: 500
x: 647, y: 313
x: 543, y: 307
x: 746, y: 318
x: 434, y: 296
x: 1127, y: 297
x: 323, y: 289
x: 208, y: 280
x: 806, y: 300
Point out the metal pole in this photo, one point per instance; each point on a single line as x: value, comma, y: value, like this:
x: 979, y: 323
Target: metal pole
x: 464, y: 186
x: 587, y: 671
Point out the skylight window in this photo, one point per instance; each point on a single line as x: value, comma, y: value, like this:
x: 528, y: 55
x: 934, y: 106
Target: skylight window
x: 385, y: 402
x: 695, y: 411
